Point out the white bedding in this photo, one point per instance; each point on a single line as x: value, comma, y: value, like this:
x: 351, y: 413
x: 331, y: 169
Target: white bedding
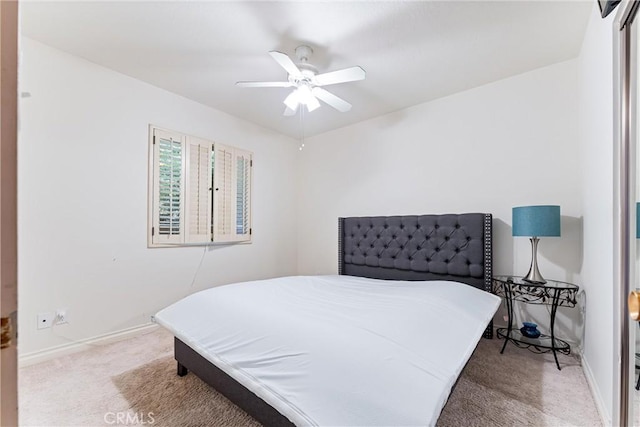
x: 338, y: 350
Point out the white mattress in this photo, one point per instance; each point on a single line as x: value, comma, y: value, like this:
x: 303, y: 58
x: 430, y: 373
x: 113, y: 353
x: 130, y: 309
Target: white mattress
x: 338, y: 350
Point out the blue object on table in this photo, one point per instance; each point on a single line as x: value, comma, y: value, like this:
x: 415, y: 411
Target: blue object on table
x: 530, y: 330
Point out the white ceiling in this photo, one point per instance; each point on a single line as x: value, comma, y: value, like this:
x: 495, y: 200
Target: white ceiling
x: 412, y: 51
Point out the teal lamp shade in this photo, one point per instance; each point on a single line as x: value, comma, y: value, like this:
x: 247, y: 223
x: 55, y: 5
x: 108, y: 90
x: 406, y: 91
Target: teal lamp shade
x: 536, y: 221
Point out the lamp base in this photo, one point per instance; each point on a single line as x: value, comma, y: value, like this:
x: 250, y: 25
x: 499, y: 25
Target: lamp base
x: 534, y: 276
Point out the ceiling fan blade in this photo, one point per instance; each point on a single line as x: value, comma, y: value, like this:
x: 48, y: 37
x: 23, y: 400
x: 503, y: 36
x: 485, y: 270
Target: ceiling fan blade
x: 289, y: 112
x: 340, y: 76
x: 334, y: 101
x: 285, y: 62
x: 264, y: 84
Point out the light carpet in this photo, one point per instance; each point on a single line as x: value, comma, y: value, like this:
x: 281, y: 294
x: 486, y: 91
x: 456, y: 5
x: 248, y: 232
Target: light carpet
x: 136, y: 381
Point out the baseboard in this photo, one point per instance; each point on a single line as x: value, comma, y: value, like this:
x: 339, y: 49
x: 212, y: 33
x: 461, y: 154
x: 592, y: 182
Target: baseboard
x: 595, y: 392
x: 74, y: 347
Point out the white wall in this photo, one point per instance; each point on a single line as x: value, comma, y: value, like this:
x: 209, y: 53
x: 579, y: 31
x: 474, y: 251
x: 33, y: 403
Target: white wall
x: 83, y: 150
x: 510, y: 143
x: 596, y: 137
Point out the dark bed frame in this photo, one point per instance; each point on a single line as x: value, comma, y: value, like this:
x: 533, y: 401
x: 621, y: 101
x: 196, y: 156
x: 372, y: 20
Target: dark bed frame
x: 426, y: 247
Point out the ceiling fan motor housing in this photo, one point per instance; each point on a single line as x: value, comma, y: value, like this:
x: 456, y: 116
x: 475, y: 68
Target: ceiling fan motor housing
x: 303, y: 53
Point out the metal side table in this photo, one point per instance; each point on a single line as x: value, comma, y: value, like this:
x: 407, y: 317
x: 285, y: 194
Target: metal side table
x: 553, y: 293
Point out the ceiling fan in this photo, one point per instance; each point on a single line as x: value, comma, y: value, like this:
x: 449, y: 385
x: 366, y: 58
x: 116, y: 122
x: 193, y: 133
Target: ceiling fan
x: 307, y: 82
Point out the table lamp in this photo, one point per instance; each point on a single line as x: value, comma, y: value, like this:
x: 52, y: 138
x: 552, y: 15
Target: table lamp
x: 534, y: 222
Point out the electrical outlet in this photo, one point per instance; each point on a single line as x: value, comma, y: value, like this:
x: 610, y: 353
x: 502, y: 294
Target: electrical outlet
x: 45, y: 320
x: 61, y: 316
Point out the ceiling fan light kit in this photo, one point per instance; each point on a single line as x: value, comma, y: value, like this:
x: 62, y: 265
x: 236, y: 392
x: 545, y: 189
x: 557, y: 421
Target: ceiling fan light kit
x: 304, y: 77
x: 302, y: 95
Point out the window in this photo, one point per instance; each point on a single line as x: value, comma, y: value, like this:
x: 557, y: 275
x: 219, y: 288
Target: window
x: 200, y: 191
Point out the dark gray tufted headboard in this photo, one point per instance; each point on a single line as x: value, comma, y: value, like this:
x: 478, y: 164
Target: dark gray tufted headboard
x: 422, y: 247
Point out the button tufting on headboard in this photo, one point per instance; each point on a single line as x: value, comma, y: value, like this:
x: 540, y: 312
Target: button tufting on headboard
x: 453, y: 246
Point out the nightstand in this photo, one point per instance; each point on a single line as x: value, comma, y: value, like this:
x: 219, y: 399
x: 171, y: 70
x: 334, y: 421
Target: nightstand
x: 553, y: 293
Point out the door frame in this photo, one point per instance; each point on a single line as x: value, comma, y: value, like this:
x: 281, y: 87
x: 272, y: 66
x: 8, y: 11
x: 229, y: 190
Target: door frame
x: 624, y: 195
x: 8, y: 212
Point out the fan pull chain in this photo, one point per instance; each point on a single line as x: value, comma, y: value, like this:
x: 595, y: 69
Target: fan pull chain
x: 301, y: 108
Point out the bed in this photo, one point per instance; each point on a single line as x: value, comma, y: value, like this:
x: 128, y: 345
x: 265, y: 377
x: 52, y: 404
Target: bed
x: 381, y: 343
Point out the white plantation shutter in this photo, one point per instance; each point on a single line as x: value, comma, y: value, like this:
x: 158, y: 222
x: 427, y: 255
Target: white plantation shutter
x: 223, y: 209
x: 243, y: 194
x: 168, y: 213
x: 198, y: 190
